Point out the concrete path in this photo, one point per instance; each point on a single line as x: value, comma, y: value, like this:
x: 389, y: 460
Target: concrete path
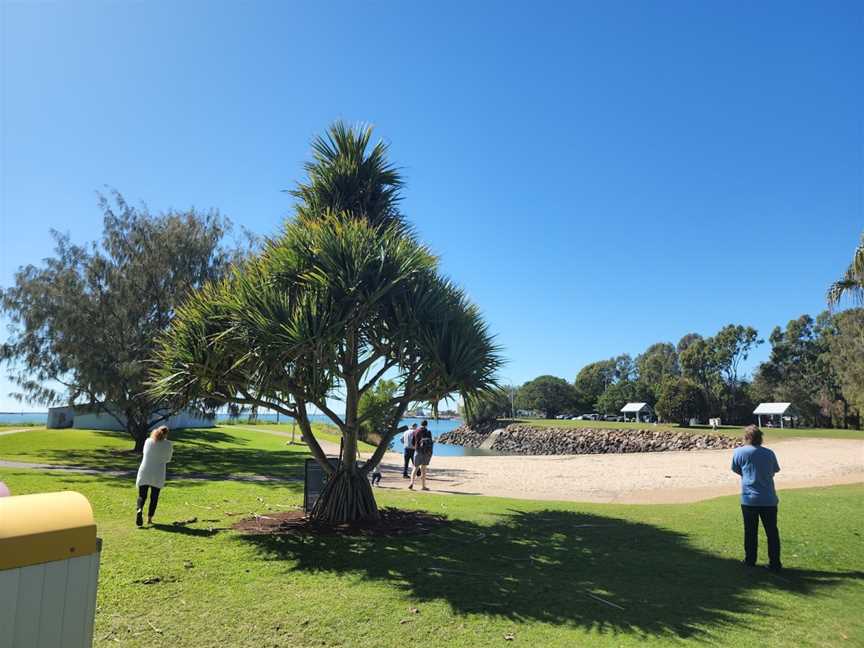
x: 27, y: 429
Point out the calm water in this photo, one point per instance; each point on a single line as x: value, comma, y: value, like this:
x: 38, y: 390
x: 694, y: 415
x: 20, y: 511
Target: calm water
x: 24, y: 417
x: 437, y: 427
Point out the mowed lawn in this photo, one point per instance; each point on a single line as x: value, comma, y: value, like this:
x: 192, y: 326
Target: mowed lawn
x: 216, y: 452
x: 541, y: 573
x: 771, y: 434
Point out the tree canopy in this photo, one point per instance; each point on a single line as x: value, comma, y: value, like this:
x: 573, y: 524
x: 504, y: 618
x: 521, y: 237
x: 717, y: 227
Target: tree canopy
x: 548, y: 394
x: 657, y: 364
x: 680, y: 400
x: 84, y: 323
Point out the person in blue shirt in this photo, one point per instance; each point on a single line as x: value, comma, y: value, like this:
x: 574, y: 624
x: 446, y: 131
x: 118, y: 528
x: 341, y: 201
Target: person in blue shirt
x: 757, y: 466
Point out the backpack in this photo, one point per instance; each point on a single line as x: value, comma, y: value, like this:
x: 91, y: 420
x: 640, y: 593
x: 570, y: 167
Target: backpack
x: 426, y: 442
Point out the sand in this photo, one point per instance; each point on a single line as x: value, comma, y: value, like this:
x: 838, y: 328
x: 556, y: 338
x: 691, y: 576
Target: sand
x: 636, y: 478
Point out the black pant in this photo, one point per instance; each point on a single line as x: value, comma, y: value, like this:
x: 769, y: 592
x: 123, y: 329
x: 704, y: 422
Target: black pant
x: 154, y: 499
x: 376, y: 478
x: 409, y: 456
x: 768, y: 515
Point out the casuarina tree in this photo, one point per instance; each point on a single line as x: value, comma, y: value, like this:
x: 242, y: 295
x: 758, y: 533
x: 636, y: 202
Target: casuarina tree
x: 343, y: 297
x: 84, y: 322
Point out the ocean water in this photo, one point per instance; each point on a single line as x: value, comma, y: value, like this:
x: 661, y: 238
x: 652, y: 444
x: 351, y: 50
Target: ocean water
x: 24, y: 417
x: 436, y: 427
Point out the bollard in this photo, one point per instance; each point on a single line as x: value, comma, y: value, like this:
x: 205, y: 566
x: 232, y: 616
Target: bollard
x: 49, y: 570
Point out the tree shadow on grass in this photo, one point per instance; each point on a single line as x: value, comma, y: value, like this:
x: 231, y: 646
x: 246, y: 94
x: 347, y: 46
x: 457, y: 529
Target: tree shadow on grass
x: 563, y: 568
x: 192, y: 436
x: 198, y: 454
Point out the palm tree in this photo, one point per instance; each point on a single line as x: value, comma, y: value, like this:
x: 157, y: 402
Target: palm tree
x: 339, y: 301
x: 346, y: 176
x: 852, y: 283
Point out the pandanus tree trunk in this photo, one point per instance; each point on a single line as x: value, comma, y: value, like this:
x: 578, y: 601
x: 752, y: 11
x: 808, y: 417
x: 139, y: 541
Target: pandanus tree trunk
x: 347, y: 496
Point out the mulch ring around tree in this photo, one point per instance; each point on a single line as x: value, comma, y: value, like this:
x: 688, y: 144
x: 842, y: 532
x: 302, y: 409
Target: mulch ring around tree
x: 393, y: 522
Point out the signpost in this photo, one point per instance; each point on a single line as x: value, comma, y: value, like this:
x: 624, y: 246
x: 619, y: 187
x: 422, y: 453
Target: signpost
x: 314, y: 479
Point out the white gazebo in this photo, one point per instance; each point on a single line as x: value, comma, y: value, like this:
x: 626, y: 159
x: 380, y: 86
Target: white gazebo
x: 638, y: 409
x: 780, y: 411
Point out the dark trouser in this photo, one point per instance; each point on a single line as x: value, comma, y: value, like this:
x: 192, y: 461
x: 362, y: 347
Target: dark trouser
x: 768, y: 515
x: 409, y: 456
x: 154, y: 499
x: 376, y: 478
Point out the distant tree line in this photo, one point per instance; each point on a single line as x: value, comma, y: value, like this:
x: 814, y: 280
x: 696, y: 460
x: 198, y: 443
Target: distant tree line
x: 815, y: 364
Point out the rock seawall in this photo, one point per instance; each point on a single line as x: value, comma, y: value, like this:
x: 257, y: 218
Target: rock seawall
x: 524, y: 439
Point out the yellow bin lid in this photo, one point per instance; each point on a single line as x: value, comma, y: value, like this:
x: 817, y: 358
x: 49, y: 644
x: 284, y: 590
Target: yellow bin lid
x: 42, y: 528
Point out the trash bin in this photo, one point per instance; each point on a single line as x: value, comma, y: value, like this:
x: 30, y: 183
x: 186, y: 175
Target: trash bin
x: 49, y: 569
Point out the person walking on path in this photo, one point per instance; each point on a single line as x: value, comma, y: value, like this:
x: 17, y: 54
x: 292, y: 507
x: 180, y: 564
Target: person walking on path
x: 423, y: 445
x: 408, y: 445
x: 158, y: 451
x: 757, y: 466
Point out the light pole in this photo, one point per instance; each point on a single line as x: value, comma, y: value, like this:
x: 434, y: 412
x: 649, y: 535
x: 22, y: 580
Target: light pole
x: 511, y: 390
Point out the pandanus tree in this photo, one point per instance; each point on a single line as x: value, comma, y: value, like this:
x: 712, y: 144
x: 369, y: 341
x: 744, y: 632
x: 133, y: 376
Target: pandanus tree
x: 344, y: 297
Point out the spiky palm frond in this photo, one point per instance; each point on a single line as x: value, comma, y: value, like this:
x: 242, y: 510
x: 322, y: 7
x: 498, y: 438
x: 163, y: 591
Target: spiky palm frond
x: 279, y: 323
x: 852, y: 283
x: 348, y: 174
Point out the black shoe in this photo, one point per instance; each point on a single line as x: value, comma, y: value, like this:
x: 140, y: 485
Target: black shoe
x: 139, y: 519
x: 745, y: 563
x: 775, y: 568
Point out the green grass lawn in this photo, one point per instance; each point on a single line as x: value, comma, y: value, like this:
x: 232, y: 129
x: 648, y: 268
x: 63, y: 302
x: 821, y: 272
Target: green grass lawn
x: 550, y: 574
x: 771, y: 434
x: 214, y: 452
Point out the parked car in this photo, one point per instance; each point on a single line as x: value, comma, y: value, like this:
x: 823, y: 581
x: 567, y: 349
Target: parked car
x: 613, y: 417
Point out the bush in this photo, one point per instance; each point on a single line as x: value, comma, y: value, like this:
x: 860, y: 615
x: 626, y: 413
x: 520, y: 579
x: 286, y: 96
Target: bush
x: 486, y: 407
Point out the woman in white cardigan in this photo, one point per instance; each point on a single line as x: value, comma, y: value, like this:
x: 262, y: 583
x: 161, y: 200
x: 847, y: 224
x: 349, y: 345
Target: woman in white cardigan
x: 158, y: 451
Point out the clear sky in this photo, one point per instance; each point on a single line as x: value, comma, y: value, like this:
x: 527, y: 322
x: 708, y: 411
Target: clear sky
x: 599, y: 176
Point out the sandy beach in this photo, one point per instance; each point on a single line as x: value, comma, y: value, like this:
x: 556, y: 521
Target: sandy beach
x: 637, y: 478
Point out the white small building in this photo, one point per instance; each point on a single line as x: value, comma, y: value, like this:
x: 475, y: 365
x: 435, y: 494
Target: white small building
x: 85, y: 418
x: 640, y: 411
x: 776, y: 414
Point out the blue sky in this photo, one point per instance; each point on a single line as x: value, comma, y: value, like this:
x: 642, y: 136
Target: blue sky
x: 599, y: 176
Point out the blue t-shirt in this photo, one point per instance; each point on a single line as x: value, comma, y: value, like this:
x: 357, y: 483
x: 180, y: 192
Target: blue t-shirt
x: 757, y: 466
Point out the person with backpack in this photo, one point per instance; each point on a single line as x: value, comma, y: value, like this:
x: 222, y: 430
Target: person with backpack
x: 423, y: 444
